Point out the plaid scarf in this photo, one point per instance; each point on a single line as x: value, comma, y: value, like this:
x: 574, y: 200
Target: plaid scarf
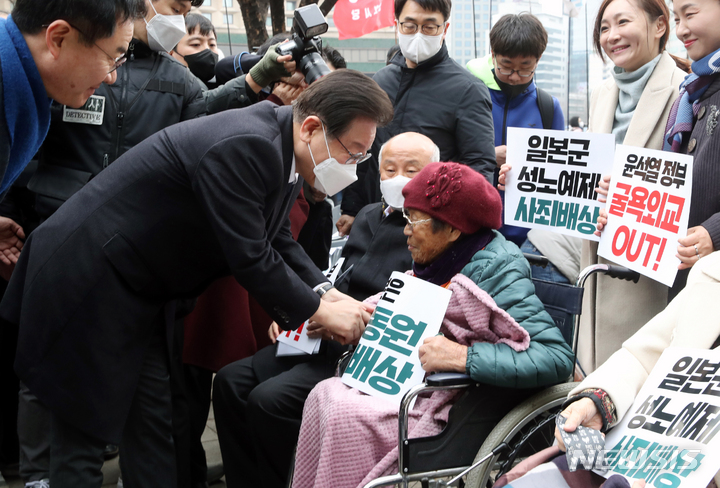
x: 684, y: 110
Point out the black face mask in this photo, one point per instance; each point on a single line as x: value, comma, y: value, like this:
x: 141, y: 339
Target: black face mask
x: 202, y: 64
x: 511, y: 91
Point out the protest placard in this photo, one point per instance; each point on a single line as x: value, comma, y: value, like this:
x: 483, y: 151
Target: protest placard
x: 296, y: 342
x: 385, y: 363
x: 669, y: 435
x: 553, y: 178
x: 648, y: 208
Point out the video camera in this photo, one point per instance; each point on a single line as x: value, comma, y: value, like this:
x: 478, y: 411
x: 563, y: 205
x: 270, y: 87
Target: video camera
x: 305, y: 46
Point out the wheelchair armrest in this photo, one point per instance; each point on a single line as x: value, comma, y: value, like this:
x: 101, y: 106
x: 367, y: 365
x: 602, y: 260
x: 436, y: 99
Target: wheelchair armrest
x: 448, y: 379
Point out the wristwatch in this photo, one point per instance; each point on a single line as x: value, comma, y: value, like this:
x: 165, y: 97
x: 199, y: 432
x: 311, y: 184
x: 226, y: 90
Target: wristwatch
x: 324, y: 289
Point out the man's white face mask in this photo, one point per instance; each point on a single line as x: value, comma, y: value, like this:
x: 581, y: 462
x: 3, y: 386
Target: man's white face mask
x: 419, y: 47
x: 331, y: 176
x: 391, y: 190
x: 165, y: 31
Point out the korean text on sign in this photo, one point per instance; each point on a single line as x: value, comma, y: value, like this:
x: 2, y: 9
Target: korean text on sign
x: 385, y: 363
x: 553, y: 178
x: 648, y: 207
x: 669, y: 437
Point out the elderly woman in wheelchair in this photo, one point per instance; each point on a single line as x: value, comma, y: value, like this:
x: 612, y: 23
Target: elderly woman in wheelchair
x: 495, y: 329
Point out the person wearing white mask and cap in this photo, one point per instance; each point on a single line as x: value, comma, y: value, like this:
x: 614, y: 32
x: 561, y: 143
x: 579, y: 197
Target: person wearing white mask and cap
x: 431, y: 94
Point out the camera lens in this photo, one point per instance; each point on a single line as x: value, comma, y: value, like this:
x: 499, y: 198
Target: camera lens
x: 313, y: 67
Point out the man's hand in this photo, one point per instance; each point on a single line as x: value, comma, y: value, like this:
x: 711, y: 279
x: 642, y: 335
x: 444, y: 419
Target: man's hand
x: 503, y: 175
x: 11, y: 235
x: 343, y: 320
x: 273, y: 332
x: 344, y: 224
x: 334, y: 295
x: 272, y: 67
x: 287, y: 93
x: 314, y: 195
x: 603, y: 188
x: 582, y: 412
x: 692, y: 247
x: 440, y: 354
x: 601, y: 222
x: 500, y: 155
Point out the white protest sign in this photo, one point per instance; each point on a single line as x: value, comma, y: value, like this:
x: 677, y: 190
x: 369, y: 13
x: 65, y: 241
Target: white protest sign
x: 297, y: 342
x: 669, y: 437
x: 553, y: 178
x: 385, y: 363
x: 648, y: 208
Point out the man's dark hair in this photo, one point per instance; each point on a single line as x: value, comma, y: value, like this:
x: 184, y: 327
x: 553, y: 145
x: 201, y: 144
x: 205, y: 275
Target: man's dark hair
x: 193, y: 21
x: 341, y: 97
x: 442, y: 6
x: 518, y: 35
x: 95, y: 19
x: 333, y: 56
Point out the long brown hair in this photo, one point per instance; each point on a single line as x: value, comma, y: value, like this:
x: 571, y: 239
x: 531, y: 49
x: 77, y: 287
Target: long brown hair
x: 654, y: 9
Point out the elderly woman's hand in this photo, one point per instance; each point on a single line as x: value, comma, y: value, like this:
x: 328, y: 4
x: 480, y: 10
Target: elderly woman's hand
x: 582, y: 412
x: 440, y: 354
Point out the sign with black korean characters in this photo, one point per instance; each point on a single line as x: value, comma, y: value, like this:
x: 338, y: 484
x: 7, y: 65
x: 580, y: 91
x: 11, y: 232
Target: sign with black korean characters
x: 553, y: 178
x: 648, y: 209
x: 669, y: 437
x: 385, y: 363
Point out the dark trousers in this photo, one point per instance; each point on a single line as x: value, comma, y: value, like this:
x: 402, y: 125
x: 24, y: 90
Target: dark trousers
x: 33, y: 421
x: 148, y: 455
x: 258, y: 404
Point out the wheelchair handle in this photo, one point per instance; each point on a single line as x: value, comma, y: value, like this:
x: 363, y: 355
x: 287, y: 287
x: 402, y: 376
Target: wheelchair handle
x: 623, y: 273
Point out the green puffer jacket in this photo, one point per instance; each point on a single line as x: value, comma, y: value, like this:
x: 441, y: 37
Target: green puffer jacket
x: 501, y: 270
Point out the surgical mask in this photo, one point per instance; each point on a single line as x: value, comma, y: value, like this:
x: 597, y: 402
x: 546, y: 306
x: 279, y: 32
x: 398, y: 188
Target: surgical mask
x: 202, y: 64
x: 391, y: 190
x: 419, y: 47
x: 331, y: 176
x: 165, y: 31
x: 511, y: 91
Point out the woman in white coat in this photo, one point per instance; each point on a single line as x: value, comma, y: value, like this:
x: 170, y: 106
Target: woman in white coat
x: 634, y: 106
x: 691, y: 320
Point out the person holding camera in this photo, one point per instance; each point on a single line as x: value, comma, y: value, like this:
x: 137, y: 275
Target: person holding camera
x: 459, y: 122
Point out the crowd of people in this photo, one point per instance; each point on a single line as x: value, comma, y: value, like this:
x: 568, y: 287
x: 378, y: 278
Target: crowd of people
x: 166, y: 213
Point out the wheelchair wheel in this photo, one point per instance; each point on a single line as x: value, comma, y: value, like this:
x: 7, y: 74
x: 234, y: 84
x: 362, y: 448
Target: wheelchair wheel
x: 527, y: 429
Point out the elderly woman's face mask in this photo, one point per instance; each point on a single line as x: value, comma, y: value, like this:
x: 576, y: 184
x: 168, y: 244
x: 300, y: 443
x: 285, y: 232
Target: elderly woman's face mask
x: 425, y: 245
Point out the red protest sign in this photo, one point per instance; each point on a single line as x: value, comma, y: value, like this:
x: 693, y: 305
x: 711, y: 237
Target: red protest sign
x: 648, y: 209
x: 355, y: 18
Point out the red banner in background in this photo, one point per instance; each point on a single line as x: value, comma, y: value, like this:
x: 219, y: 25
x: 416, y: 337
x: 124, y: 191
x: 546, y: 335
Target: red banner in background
x: 355, y: 18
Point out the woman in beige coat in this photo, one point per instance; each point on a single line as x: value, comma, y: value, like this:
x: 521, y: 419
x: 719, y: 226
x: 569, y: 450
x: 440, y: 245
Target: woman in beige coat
x: 691, y: 320
x: 634, y: 106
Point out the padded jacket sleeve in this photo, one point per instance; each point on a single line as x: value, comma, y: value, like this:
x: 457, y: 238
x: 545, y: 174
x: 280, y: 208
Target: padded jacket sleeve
x: 474, y: 131
x: 548, y: 359
x: 194, y: 102
x: 233, y: 94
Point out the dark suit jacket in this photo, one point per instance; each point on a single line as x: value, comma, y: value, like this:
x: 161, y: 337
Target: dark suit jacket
x: 194, y: 202
x: 375, y: 248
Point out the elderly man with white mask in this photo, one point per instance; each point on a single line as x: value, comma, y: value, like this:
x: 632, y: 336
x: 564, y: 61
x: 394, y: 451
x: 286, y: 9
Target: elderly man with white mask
x: 258, y: 401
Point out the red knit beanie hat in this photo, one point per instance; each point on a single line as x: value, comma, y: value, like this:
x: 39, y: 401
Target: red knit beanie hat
x: 456, y: 195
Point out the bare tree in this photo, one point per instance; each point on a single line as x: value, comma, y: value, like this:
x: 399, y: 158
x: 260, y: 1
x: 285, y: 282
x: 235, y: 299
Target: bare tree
x: 254, y: 14
x: 277, y: 14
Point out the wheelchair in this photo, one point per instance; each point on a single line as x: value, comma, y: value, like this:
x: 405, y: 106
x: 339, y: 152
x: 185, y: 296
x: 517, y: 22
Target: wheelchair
x: 475, y: 448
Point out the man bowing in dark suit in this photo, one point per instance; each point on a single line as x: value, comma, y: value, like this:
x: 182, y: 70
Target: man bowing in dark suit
x: 93, y: 292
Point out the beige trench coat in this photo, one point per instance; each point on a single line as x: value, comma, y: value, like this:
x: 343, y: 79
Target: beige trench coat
x: 613, y: 310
